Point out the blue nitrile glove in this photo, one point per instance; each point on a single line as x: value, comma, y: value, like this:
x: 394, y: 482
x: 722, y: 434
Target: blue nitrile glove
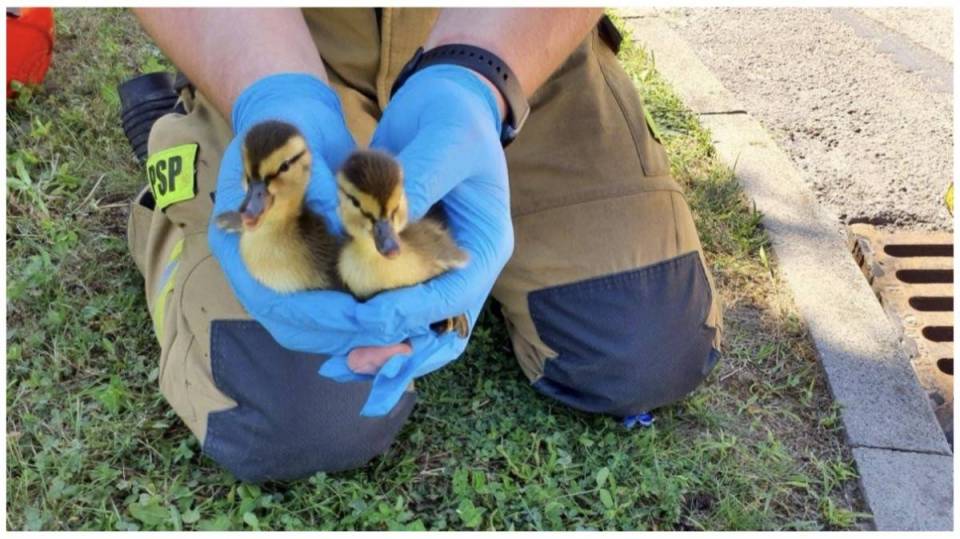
x: 320, y: 322
x: 444, y: 126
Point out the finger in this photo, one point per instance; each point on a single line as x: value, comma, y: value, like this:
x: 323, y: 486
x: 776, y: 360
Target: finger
x: 425, y: 354
x: 413, y: 308
x: 393, y: 366
x: 337, y: 369
x: 369, y: 359
x: 385, y: 394
x: 388, y: 386
x: 429, y: 354
x: 330, y: 153
x: 385, y: 399
x: 315, y: 310
x: 332, y: 144
x: 298, y: 339
x: 297, y: 336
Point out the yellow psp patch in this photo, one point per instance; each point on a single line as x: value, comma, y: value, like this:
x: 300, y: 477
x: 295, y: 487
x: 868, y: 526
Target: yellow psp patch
x: 172, y: 174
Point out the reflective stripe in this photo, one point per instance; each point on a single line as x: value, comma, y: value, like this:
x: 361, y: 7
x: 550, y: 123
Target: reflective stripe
x: 172, y: 262
x: 177, y: 249
x: 164, y: 288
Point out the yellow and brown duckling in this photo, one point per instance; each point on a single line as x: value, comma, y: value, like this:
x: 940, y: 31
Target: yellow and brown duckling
x: 284, y: 245
x: 384, y: 251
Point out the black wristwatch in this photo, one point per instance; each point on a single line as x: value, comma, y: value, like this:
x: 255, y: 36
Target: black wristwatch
x: 487, y: 64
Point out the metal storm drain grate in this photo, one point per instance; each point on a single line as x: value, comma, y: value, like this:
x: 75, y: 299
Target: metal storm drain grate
x: 912, y: 275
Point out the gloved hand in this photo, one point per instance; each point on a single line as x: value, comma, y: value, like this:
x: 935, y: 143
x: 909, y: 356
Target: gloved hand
x: 320, y: 322
x: 444, y: 126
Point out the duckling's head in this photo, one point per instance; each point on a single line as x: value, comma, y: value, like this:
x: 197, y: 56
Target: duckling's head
x: 372, y: 201
x: 276, y: 165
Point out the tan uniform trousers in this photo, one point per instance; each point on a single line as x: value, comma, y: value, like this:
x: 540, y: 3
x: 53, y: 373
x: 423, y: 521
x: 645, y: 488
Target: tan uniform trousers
x: 607, y: 299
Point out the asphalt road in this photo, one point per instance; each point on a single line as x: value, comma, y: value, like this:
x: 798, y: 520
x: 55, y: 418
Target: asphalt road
x: 861, y: 99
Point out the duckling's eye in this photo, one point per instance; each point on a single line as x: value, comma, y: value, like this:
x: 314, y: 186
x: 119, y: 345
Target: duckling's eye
x: 356, y: 203
x: 284, y: 167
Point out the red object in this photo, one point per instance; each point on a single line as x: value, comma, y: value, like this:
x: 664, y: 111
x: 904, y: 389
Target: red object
x: 29, y: 44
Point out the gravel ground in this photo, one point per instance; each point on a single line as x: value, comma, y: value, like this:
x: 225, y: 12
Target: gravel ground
x: 862, y: 101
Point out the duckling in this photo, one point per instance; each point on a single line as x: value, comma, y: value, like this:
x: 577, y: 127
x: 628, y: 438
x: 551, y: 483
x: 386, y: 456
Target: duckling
x: 284, y: 245
x: 382, y: 250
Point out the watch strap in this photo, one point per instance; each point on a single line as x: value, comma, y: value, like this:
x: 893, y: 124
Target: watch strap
x: 487, y: 64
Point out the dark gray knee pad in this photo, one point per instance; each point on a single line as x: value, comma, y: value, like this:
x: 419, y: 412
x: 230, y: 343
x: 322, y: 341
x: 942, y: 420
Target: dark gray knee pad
x: 629, y: 342
x: 289, y: 422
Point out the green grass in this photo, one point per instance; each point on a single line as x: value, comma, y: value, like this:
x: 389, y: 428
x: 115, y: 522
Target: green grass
x: 92, y: 445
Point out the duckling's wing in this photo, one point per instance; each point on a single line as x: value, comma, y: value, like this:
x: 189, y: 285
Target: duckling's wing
x: 324, y: 247
x: 431, y: 240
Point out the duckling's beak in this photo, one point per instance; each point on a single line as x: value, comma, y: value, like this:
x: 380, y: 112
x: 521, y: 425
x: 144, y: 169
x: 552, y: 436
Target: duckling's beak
x: 255, y: 203
x: 385, y: 238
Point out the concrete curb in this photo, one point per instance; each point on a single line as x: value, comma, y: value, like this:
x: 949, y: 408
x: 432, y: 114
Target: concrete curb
x: 904, y: 461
